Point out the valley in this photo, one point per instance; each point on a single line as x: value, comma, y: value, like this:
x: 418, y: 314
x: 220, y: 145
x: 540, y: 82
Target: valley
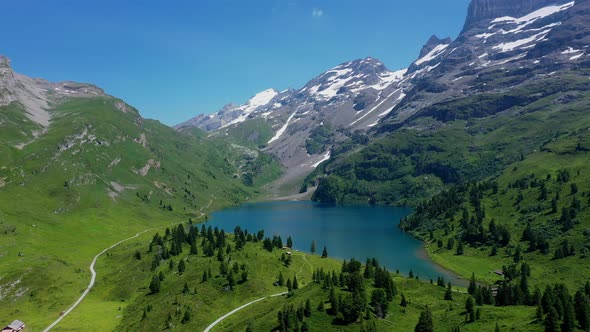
x: 450, y: 195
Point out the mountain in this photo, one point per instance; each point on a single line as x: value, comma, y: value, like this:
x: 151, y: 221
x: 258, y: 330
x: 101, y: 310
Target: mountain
x: 514, y: 78
x: 504, y: 45
x: 230, y: 114
x: 299, y: 127
x: 520, y: 49
x: 81, y: 170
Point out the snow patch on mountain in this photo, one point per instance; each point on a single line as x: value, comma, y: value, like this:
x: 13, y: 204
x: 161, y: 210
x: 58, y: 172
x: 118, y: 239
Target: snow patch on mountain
x: 324, y: 158
x: 374, y: 108
x: 281, y: 131
x: 389, y: 78
x: 506, y: 47
x: 534, y: 16
x: 571, y: 50
x: 261, y: 99
x: 436, y: 51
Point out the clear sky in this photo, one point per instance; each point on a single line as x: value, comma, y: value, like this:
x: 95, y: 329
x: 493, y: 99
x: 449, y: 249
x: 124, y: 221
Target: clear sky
x: 175, y: 59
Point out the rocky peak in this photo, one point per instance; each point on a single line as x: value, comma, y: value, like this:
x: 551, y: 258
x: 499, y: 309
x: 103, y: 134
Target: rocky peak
x: 488, y: 9
x: 351, y: 77
x: 7, y: 82
x: 69, y: 88
x: 432, y: 42
x: 4, y: 62
x: 367, y: 66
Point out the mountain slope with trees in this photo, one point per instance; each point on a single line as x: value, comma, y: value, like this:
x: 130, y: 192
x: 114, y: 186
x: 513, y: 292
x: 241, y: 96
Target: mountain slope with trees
x: 85, y: 171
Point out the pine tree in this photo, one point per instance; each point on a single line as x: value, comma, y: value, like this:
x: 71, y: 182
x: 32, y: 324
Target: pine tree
x: 460, y: 248
x: 194, y: 250
x: 539, y: 313
x: 289, y: 285
x: 171, y: 265
x: 307, y: 311
x: 333, y: 302
x: 574, y: 188
x: 524, y: 284
x: 181, y: 266
x: 321, y: 306
x: 185, y: 289
x: 281, y: 280
x: 552, y: 321
x: 569, y: 319
x: 470, y: 308
x: 582, y: 305
x: 404, y: 302
x: 155, y: 285
x: 517, y: 254
x: 425, y: 323
x: 186, y: 318
x: 449, y: 292
x: 325, y: 252
x: 289, y: 242
x: 554, y: 205
x: 231, y: 281
x: 472, y: 285
x: 312, y: 249
x: 161, y: 276
x: 204, y: 276
x: 295, y: 283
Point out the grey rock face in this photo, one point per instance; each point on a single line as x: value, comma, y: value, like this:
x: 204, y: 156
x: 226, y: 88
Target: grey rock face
x: 35, y: 95
x: 505, y: 44
x: 480, y: 10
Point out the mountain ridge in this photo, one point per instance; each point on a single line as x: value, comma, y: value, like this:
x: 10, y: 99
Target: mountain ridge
x: 526, y: 37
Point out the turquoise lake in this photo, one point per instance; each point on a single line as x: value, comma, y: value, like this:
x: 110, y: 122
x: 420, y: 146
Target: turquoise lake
x: 347, y: 232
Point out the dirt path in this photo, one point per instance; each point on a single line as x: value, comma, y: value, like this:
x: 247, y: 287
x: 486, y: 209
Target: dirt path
x: 93, y: 272
x: 238, y: 309
x: 250, y: 303
x: 306, y: 261
x: 206, y: 206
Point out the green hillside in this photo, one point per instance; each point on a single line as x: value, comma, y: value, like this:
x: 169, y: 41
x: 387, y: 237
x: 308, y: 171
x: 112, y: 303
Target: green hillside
x: 541, y: 201
x: 98, y: 175
x: 124, y: 299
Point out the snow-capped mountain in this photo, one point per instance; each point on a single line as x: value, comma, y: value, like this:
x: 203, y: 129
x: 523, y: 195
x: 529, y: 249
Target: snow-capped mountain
x: 351, y: 96
x: 230, y: 114
x: 503, y: 44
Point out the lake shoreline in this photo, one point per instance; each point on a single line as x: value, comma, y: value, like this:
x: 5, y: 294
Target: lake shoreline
x: 457, y: 280
x: 348, y: 231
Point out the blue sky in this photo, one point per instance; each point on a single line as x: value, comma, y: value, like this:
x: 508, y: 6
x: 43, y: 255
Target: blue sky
x: 175, y: 59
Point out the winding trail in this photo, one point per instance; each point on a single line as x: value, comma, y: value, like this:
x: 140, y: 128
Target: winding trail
x: 93, y: 272
x: 238, y: 309
x: 252, y: 302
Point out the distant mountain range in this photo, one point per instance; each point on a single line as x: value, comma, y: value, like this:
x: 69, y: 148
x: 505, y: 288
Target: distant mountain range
x: 503, y: 45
